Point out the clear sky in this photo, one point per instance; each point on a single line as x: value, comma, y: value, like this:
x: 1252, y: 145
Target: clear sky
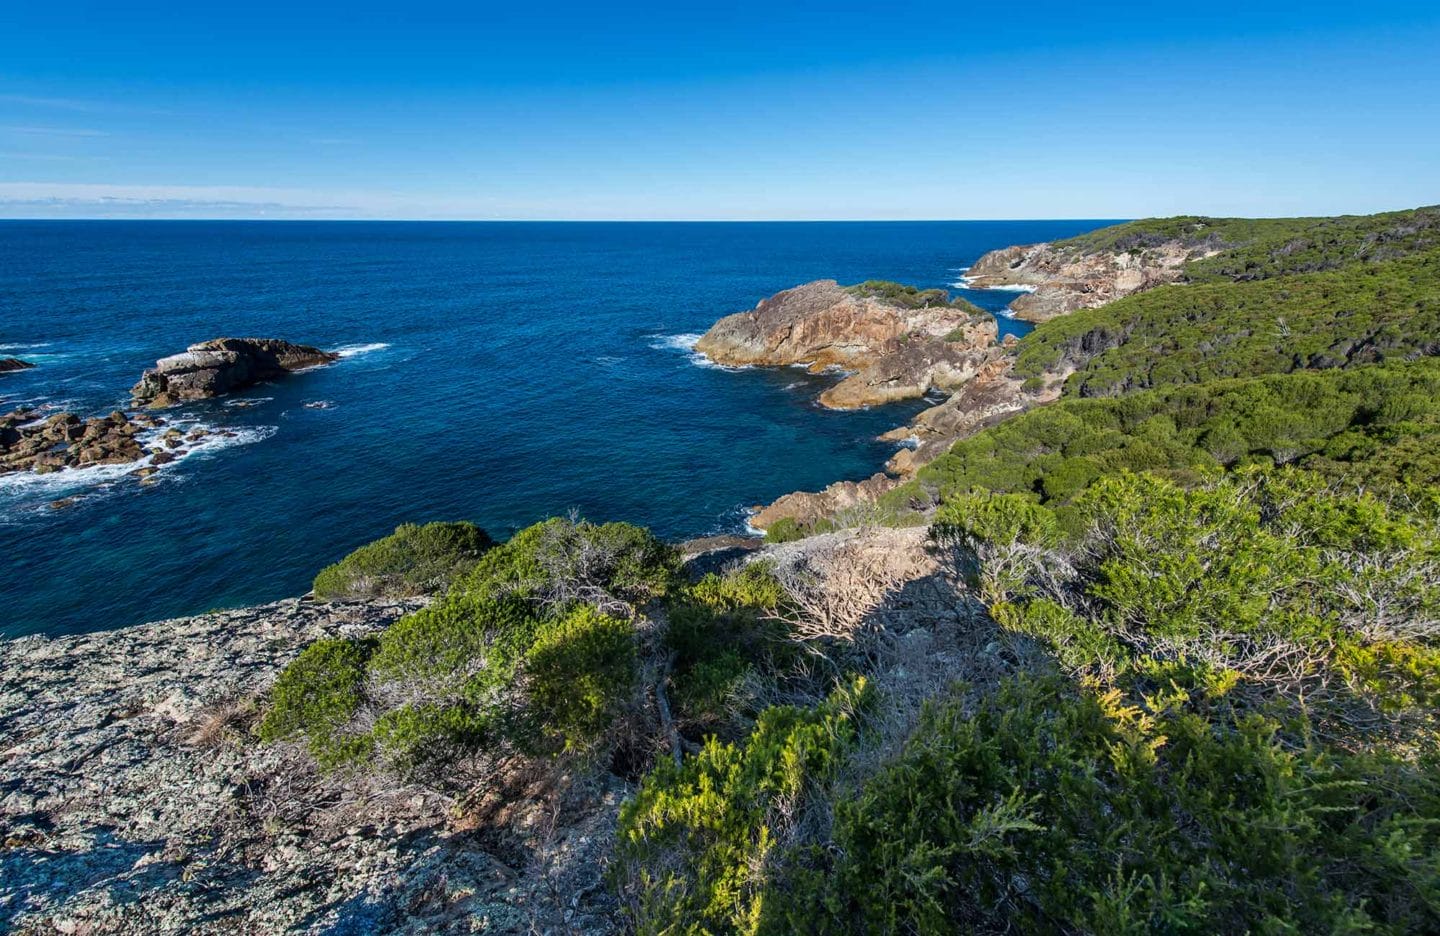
x: 739, y: 110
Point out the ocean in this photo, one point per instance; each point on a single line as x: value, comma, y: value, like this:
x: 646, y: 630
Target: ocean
x: 495, y: 372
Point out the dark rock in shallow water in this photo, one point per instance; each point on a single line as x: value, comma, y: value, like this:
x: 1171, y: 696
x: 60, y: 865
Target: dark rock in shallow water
x: 64, y: 440
x: 13, y: 364
x: 222, y: 365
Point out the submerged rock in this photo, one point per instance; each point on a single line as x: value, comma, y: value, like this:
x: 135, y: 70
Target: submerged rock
x: 13, y: 364
x: 898, y: 342
x: 222, y: 365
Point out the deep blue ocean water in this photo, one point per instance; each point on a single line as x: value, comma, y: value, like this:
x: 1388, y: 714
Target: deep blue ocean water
x: 497, y: 372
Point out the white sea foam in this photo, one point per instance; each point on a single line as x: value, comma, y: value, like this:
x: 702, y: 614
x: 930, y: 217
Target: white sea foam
x: 686, y: 343
x: 26, y: 488
x: 347, y: 351
x: 967, y: 282
x: 24, y: 347
x: 247, y: 402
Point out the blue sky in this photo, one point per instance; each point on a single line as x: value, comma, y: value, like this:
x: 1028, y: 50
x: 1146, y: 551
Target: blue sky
x: 746, y: 110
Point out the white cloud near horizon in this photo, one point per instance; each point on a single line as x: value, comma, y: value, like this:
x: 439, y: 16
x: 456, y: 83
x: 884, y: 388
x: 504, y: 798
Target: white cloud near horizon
x: 55, y: 131
x: 102, y: 200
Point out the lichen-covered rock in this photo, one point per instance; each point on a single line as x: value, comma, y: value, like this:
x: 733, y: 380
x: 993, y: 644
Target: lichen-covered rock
x: 134, y: 798
x: 896, y: 343
x: 223, y: 365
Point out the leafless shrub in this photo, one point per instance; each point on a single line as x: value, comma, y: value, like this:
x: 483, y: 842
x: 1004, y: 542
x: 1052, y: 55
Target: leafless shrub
x: 221, y: 722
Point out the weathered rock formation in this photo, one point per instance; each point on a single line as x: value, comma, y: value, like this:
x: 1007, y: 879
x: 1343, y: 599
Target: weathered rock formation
x: 1066, y: 278
x: 13, y: 364
x: 896, y: 348
x: 222, y: 365
x: 30, y: 441
x: 134, y: 798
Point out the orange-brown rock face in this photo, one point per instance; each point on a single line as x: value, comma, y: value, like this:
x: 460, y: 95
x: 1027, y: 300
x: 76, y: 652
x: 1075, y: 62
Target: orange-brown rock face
x: 1063, y: 279
x: 896, y: 350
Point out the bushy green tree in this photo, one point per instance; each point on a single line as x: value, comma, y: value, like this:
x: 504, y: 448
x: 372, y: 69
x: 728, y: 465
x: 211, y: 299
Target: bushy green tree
x: 414, y: 560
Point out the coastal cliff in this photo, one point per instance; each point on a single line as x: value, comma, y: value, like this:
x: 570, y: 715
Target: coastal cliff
x: 896, y: 342
x: 1062, y: 278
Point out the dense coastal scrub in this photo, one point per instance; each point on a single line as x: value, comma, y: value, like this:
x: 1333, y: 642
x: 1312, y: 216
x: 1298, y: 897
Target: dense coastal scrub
x: 1374, y: 427
x: 1230, y: 729
x: 1366, y: 313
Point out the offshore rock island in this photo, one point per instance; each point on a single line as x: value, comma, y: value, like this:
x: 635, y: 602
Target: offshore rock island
x: 222, y: 365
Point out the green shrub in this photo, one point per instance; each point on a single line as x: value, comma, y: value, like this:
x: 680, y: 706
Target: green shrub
x: 580, y: 671
x: 515, y: 656
x: 909, y: 297
x: 784, y: 530
x: 694, y: 842
x: 317, y: 695
x: 1048, y: 810
x: 414, y: 560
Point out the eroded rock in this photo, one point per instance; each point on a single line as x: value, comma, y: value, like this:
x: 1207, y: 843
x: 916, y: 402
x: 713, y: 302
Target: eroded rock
x: 1064, y: 279
x: 896, y: 345
x: 222, y: 365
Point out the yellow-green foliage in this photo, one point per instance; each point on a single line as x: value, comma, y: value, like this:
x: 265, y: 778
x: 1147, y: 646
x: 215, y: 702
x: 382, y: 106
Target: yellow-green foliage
x: 1264, y: 572
x: 1052, y: 810
x: 695, y: 841
x: 414, y: 560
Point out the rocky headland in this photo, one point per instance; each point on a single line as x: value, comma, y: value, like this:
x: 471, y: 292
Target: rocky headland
x: 222, y: 365
x: 894, y: 342
x: 13, y: 364
x: 1063, y: 277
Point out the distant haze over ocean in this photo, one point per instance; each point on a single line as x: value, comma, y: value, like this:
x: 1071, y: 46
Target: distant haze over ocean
x: 494, y: 372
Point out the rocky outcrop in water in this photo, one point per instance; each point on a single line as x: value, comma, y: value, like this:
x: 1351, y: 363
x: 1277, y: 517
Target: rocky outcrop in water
x: 1065, y: 278
x: 223, y: 365
x: 135, y: 799
x: 13, y: 364
x: 32, y: 441
x: 898, y: 343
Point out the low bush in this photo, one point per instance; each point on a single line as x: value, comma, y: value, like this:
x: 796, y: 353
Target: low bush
x: 532, y: 650
x: 414, y: 560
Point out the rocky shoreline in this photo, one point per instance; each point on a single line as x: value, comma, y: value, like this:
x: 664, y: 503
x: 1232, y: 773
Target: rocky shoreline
x: 34, y: 439
x: 894, y: 343
x: 222, y: 365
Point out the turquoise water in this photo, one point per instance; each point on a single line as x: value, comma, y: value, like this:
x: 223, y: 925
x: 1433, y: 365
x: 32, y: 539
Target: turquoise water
x: 494, y: 372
